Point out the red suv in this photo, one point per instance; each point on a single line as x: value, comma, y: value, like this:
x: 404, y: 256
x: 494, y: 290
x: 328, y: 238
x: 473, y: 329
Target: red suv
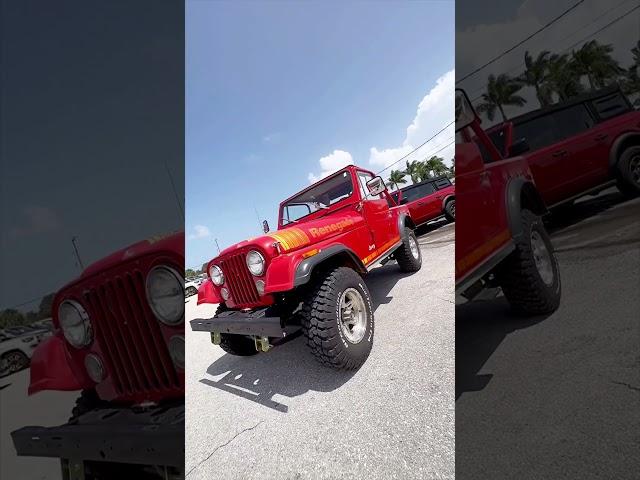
x: 428, y: 200
x: 578, y: 147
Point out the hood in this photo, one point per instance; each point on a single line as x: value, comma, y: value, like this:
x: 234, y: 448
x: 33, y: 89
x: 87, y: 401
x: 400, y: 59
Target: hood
x: 172, y: 242
x: 300, y: 235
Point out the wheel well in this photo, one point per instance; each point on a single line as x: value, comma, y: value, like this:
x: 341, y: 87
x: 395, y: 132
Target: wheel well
x: 14, y: 350
x: 340, y: 259
x: 531, y: 199
x: 632, y: 140
x: 408, y: 222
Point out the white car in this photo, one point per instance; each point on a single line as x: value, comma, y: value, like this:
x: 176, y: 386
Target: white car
x: 16, y: 351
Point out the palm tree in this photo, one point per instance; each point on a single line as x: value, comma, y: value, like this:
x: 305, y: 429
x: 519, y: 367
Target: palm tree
x: 396, y: 177
x: 501, y: 91
x: 595, y: 61
x: 435, y: 165
x: 414, y: 170
x: 631, y: 80
x: 562, y: 77
x: 534, y: 75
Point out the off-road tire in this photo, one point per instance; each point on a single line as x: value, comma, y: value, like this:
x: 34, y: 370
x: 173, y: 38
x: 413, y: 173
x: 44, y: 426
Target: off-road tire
x: 629, y: 172
x: 321, y: 320
x: 87, y: 401
x: 19, y: 361
x: 407, y: 261
x: 450, y: 210
x: 519, y: 277
x: 190, y: 292
x: 239, y: 345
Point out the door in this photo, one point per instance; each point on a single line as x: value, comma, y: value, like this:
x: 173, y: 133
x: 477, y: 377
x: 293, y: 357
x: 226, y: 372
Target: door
x: 377, y: 214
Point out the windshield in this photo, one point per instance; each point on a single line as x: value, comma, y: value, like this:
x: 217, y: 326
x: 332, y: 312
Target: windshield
x: 318, y: 197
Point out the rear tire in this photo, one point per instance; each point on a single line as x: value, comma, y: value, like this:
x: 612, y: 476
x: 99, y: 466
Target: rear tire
x: 629, y: 172
x: 239, y: 345
x: 529, y: 276
x: 450, y: 210
x: 337, y: 319
x: 408, y: 255
x: 190, y: 291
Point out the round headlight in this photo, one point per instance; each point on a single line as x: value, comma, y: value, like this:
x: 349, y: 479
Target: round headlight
x: 225, y: 293
x: 217, y: 277
x: 165, y: 294
x: 255, y: 263
x: 75, y: 323
x: 176, y: 350
x: 94, y: 367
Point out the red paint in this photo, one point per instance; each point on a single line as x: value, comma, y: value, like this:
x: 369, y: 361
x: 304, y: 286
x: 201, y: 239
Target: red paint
x: 361, y: 224
x: 427, y: 200
x: 127, y: 337
x: 50, y: 369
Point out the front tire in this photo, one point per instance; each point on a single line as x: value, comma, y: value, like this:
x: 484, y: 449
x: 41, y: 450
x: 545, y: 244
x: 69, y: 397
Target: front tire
x: 629, y: 172
x: 408, y: 254
x: 529, y: 276
x: 238, y: 345
x: 337, y: 319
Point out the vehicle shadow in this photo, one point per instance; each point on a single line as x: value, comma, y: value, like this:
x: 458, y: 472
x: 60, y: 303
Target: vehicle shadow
x: 480, y: 328
x: 289, y: 370
x: 564, y: 217
x: 431, y: 226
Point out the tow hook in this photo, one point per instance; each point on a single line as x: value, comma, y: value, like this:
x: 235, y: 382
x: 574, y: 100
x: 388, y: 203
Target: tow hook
x: 216, y: 338
x: 262, y: 344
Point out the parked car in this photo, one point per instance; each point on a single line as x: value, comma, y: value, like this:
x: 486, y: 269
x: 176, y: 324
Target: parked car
x: 308, y: 274
x: 577, y: 147
x: 429, y: 200
x: 16, y: 352
x: 500, y: 239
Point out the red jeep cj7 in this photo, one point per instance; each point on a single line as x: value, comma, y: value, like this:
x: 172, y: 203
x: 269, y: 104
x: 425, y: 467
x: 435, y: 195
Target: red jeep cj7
x: 308, y: 274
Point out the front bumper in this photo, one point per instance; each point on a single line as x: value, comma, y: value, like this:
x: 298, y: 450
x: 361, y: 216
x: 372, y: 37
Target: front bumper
x: 154, y: 436
x: 261, y: 323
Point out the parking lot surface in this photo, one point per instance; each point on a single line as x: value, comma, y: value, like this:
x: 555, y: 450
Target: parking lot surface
x: 557, y: 396
x: 282, y: 415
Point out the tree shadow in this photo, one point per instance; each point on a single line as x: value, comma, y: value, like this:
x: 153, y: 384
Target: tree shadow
x: 289, y: 370
x: 481, y: 327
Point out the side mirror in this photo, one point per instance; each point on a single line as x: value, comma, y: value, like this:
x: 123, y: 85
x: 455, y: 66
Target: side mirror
x: 465, y: 114
x: 265, y: 226
x: 519, y: 147
x: 376, y: 186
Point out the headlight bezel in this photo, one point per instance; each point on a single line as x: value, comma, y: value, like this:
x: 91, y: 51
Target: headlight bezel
x: 180, y: 281
x: 262, y: 263
x: 220, y: 272
x: 85, y: 321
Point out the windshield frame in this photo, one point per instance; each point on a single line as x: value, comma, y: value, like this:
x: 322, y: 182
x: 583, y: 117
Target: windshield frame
x: 339, y: 204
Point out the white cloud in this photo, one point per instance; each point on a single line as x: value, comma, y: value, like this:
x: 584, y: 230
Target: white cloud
x: 331, y: 163
x: 434, y: 111
x: 200, y: 231
x: 273, y: 138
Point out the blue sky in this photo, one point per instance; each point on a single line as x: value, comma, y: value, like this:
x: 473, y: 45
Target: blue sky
x: 278, y: 94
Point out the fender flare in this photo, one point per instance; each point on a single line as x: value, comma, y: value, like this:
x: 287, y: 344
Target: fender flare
x: 306, y: 267
x: 513, y: 203
x: 50, y: 369
x: 629, y: 138
x: 403, y: 218
x: 451, y: 196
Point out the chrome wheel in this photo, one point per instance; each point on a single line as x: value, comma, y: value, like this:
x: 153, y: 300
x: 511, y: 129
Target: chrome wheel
x: 453, y: 209
x: 413, y: 246
x: 353, y: 315
x: 542, y: 258
x: 634, y: 169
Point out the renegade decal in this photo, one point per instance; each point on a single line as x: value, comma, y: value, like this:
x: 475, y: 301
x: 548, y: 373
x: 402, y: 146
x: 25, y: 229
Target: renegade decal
x: 290, y: 238
x: 369, y: 258
x: 332, y: 227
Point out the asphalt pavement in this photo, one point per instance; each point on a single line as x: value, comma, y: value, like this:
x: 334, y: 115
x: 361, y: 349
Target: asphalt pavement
x: 558, y: 396
x: 282, y: 415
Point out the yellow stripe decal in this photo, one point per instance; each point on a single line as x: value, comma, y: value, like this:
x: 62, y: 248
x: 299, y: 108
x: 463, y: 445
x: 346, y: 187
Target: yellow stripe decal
x: 380, y: 251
